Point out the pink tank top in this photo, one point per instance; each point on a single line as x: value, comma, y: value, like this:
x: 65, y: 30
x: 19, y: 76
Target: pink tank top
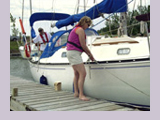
x: 73, y: 37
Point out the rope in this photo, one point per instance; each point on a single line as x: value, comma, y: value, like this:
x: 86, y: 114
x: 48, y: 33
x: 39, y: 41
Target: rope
x: 133, y: 11
x: 132, y: 16
x: 100, y: 14
x: 95, y: 2
x: 123, y: 80
x: 76, y: 8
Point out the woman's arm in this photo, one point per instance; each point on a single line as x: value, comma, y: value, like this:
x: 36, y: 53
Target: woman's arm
x: 80, y: 32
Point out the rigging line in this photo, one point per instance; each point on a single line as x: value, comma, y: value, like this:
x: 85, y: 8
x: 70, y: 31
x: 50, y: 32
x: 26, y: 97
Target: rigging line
x: 131, y: 18
x: 78, y: 6
x: 52, y: 4
x: 147, y: 8
x: 125, y: 27
x: 53, y: 16
x: 124, y: 81
x: 86, y: 2
x: 84, y: 7
x: 111, y: 14
x: 100, y: 14
x: 75, y: 9
x: 95, y: 2
x: 133, y: 11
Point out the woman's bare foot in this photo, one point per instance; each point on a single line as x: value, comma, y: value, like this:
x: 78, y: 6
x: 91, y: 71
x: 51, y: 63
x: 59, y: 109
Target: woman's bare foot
x: 76, y: 94
x: 83, y: 98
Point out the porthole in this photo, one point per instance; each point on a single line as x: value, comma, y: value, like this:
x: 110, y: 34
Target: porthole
x: 64, y: 54
x: 123, y: 51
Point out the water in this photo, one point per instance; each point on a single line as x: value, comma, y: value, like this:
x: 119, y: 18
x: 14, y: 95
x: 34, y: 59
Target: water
x: 20, y: 67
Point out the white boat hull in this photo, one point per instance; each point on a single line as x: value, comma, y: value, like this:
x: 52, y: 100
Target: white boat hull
x: 127, y: 81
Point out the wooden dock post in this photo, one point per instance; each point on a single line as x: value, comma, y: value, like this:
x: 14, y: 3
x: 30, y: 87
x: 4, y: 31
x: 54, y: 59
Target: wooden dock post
x: 57, y: 86
x: 15, y: 92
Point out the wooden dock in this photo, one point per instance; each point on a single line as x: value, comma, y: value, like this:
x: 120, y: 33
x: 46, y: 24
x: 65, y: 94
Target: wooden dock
x: 33, y: 96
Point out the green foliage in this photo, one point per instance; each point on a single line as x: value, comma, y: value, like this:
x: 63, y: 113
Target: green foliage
x: 13, y: 47
x: 15, y: 31
x: 113, y: 24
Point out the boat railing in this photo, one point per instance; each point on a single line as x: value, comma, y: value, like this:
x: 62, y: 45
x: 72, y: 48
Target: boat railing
x: 139, y: 23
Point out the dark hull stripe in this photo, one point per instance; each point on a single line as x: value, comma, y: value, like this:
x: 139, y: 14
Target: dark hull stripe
x: 100, y: 62
x: 101, y: 68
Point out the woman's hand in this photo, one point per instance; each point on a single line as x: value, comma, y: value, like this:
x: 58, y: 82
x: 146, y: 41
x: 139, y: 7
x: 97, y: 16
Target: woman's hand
x: 91, y: 57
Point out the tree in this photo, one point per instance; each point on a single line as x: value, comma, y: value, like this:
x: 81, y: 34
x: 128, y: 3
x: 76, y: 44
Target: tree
x: 113, y: 24
x: 14, y: 29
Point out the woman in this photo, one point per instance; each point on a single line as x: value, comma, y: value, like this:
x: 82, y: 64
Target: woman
x: 75, y: 46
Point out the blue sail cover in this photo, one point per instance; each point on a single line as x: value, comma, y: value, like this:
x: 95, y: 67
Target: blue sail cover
x: 51, y: 48
x: 40, y: 16
x: 106, y: 6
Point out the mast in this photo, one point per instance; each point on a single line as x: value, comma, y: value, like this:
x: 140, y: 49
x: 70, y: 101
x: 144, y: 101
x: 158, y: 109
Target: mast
x: 21, y: 34
x: 31, y: 14
x: 123, y: 24
x: 31, y: 7
x: 22, y: 10
x: 84, y: 6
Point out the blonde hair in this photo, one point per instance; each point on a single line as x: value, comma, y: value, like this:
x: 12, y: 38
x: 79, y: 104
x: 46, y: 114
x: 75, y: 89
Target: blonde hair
x: 84, y: 20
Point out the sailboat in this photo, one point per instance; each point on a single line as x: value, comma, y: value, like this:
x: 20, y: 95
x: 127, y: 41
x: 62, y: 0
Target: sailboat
x: 121, y: 72
x: 28, y: 51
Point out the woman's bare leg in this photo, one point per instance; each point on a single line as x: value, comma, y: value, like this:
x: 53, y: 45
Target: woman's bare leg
x: 82, y: 74
x: 75, y: 81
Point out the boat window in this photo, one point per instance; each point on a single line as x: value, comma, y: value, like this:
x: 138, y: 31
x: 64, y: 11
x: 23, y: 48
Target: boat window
x: 54, y: 38
x: 62, y: 40
x: 64, y: 54
x: 90, y: 32
x: 123, y: 51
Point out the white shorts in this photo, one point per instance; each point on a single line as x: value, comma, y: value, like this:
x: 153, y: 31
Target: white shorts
x: 74, y: 57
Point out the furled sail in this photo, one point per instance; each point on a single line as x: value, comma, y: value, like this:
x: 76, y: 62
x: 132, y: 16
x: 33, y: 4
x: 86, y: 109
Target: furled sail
x: 106, y: 6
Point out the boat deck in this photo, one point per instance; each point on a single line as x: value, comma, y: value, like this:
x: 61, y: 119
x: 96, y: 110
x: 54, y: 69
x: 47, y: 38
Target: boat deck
x: 33, y: 96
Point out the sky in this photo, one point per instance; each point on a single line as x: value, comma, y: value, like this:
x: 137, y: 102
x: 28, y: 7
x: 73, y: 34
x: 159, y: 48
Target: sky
x: 60, y: 6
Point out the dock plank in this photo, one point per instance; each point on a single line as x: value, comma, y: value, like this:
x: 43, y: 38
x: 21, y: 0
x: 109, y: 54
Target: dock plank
x: 66, y: 104
x: 33, y: 96
x: 91, y: 107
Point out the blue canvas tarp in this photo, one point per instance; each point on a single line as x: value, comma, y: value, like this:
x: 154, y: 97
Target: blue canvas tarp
x: 106, y: 6
x: 40, y: 16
